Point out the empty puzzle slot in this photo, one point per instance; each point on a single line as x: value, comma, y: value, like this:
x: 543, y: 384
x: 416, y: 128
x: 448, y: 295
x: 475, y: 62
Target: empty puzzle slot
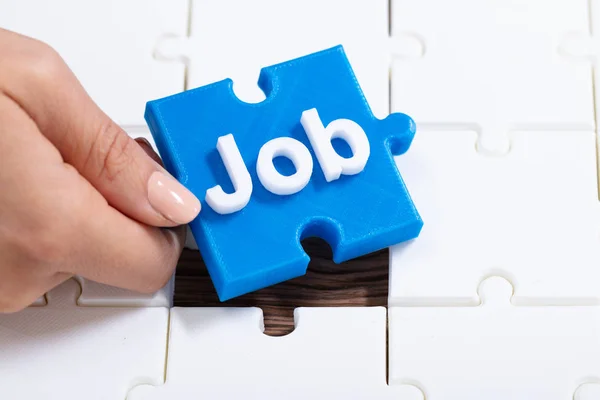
x: 361, y: 282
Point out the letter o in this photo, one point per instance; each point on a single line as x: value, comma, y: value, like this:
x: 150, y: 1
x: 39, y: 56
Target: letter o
x: 297, y: 153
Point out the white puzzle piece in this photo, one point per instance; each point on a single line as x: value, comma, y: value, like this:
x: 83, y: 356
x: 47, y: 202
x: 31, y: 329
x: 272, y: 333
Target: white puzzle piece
x: 62, y: 351
x: 532, y: 216
x: 495, y: 351
x: 222, y: 353
x: 236, y: 38
x: 585, y: 47
x: 109, y: 46
x: 490, y: 66
x: 98, y: 294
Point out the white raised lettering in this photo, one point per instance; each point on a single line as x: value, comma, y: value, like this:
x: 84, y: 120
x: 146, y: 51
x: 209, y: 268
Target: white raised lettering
x: 332, y: 164
x: 217, y: 199
x: 268, y: 175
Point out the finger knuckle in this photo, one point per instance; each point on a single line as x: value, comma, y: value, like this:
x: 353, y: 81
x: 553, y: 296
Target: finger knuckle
x: 43, y: 61
x: 110, y: 153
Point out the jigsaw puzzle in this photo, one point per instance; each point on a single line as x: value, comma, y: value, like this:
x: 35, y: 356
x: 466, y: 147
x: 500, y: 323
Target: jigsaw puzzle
x: 254, y: 215
x: 499, y: 296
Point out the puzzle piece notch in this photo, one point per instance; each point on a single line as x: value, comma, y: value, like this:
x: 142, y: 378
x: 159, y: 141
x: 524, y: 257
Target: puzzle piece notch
x: 340, y: 352
x: 231, y: 55
x: 64, y: 295
x: 407, y: 46
x: 516, y: 42
x: 345, y: 212
x: 496, y: 292
x: 479, y: 223
x: 493, y: 139
x: 588, y: 391
x: 183, y: 49
x: 173, y: 48
x: 496, y: 350
x: 584, y: 43
x: 113, y: 51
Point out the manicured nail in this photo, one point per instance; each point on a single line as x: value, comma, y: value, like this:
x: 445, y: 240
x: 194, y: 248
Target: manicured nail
x: 143, y: 140
x: 171, y: 199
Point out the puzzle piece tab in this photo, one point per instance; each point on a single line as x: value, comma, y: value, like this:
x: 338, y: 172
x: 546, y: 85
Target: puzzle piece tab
x: 532, y: 215
x: 250, y: 226
x: 240, y: 46
x: 491, y: 66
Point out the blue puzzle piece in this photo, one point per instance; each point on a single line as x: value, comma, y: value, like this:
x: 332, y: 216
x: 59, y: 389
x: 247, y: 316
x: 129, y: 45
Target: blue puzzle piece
x: 259, y: 244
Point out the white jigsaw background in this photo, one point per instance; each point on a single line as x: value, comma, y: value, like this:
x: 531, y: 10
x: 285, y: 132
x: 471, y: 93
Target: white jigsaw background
x: 498, y: 298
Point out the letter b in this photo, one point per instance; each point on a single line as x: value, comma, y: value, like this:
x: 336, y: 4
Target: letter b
x: 332, y: 164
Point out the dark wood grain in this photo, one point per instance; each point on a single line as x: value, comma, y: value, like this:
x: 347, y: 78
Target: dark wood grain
x: 355, y: 283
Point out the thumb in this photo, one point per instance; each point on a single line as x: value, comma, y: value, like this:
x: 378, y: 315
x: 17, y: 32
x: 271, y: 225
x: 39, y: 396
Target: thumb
x: 130, y: 176
x: 123, y: 171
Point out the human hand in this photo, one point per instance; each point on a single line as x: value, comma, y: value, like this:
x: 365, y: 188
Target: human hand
x: 78, y: 196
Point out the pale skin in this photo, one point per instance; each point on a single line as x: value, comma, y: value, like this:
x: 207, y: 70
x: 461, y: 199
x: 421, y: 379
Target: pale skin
x: 78, y: 196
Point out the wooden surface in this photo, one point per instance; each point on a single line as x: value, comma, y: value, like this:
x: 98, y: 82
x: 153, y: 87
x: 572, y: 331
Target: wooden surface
x: 359, y: 282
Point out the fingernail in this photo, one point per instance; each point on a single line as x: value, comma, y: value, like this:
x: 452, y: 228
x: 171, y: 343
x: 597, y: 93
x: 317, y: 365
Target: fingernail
x: 171, y: 199
x: 143, y: 140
